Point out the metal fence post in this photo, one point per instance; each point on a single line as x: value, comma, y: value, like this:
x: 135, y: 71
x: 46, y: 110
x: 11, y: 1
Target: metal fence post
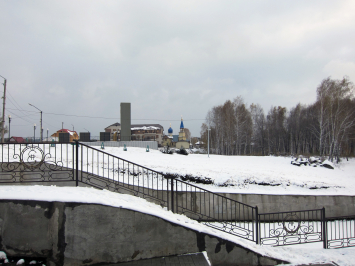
x: 172, y: 194
x: 257, y: 225
x: 77, y: 162
x: 73, y: 156
x: 324, y: 229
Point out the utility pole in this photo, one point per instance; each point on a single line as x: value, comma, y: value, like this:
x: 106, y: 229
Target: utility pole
x: 34, y: 133
x: 41, y: 129
x: 9, y: 126
x: 3, y: 111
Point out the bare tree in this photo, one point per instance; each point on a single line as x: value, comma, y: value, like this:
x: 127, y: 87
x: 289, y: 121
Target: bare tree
x: 259, y: 128
x: 187, y: 133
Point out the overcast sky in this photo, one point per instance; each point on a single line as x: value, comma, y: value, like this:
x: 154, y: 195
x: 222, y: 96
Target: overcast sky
x: 77, y: 60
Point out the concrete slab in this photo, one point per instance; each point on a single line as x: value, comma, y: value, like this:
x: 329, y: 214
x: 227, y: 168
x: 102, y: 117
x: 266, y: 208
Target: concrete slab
x: 196, y: 259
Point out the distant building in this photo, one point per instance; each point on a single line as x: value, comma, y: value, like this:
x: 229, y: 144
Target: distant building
x: 143, y: 132
x: 72, y: 134
x: 147, y: 132
x: 168, y: 140
x: 178, y: 141
x: 16, y: 140
x: 182, y: 142
x: 114, y: 129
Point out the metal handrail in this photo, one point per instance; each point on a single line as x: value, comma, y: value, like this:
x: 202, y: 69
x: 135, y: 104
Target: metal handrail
x: 206, y: 211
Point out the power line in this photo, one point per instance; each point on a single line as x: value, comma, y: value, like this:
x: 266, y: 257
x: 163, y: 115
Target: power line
x: 19, y: 117
x: 117, y: 118
x: 16, y: 105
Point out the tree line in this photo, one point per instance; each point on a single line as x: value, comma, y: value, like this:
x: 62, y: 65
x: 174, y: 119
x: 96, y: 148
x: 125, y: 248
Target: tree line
x: 324, y: 128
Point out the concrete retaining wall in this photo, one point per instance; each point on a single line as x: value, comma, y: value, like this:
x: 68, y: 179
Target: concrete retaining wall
x: 91, y: 234
x: 214, y: 206
x: 334, y: 205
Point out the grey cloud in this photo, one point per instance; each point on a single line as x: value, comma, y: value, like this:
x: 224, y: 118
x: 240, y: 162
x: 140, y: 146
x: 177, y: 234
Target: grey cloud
x: 168, y: 58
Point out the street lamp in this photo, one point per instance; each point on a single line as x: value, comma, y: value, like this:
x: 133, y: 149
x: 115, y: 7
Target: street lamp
x: 47, y: 134
x: 41, y: 137
x: 9, y: 126
x: 73, y: 127
x: 34, y: 133
x: 3, y: 111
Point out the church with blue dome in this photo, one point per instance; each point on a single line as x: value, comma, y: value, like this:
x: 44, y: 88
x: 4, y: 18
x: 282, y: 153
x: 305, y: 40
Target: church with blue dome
x: 170, y: 130
x: 178, y: 141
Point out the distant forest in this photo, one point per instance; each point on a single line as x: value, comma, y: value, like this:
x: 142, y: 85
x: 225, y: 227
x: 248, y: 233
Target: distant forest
x: 324, y: 128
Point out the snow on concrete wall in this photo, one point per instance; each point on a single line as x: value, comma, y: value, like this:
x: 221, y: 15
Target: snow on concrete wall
x: 80, y: 233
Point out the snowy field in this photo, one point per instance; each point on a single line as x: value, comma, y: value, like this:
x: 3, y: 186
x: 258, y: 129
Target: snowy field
x: 297, y: 254
x: 239, y: 174
x: 244, y: 173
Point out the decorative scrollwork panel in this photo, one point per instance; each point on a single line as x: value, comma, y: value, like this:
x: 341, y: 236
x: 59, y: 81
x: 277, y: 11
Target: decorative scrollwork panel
x: 288, y: 228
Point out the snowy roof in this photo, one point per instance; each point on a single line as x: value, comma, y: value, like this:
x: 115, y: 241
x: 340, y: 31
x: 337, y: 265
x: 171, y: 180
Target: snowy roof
x: 114, y: 125
x: 175, y: 138
x: 145, y: 128
x: 67, y: 131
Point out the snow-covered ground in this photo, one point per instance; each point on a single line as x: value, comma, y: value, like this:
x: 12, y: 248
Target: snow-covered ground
x: 245, y: 172
x: 298, y: 254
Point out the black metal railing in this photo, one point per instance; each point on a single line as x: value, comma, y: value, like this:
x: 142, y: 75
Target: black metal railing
x: 288, y: 228
x: 36, y: 162
x: 214, y: 210
x: 106, y: 171
x: 340, y: 232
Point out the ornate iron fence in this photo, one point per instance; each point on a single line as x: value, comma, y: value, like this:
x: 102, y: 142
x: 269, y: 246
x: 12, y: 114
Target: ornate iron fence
x: 289, y: 228
x: 340, y: 232
x: 36, y: 162
x: 214, y: 210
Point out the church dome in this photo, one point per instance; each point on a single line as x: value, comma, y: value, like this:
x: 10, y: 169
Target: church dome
x: 182, y: 123
x: 170, y: 130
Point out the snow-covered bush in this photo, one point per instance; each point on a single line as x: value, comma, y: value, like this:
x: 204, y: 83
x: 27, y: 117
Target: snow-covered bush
x: 182, y: 151
x: 3, y: 258
x: 20, y: 262
x: 312, y: 161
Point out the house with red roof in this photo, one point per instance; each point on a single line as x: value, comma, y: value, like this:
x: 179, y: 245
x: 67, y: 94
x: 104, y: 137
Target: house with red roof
x: 16, y: 140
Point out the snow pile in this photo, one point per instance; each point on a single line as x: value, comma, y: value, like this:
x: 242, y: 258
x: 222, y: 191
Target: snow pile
x: 20, y: 262
x: 312, y: 161
x: 3, y: 257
